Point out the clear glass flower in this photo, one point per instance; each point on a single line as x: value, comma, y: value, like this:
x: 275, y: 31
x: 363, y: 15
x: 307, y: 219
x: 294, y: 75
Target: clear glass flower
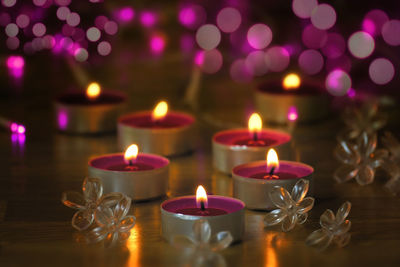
x: 292, y: 208
x: 360, y: 159
x: 333, y: 228
x: 366, y: 118
x: 87, y: 203
x: 201, y: 249
x: 392, y: 163
x: 113, y: 223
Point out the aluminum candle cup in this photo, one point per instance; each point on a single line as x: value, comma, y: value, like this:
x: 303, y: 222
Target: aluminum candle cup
x: 255, y: 192
x: 229, y: 150
x: 175, y: 223
x: 273, y: 102
x: 173, y: 135
x: 147, y: 182
x: 77, y: 114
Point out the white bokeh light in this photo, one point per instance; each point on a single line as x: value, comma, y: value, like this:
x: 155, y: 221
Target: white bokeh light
x: 381, y: 71
x: 303, y: 8
x: 323, y: 17
x: 361, y: 44
x: 104, y: 48
x: 11, y: 30
x: 93, y: 34
x: 208, y: 36
x: 39, y: 29
x: 338, y: 82
x: 277, y: 58
x: 229, y: 19
x: 259, y: 36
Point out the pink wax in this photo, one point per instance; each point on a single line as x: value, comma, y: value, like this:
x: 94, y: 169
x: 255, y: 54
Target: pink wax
x: 242, y: 137
x: 217, y: 206
x: 79, y: 98
x: 287, y: 170
x: 116, y: 162
x: 144, y: 120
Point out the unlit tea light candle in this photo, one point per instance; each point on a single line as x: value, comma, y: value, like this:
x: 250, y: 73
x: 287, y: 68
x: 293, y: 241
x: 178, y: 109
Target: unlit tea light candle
x: 140, y: 176
x: 238, y: 146
x: 223, y: 214
x: 90, y: 112
x: 253, y: 181
x: 159, y: 131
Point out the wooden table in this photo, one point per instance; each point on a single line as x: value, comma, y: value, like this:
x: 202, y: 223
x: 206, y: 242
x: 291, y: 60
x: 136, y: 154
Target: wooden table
x: 35, y: 228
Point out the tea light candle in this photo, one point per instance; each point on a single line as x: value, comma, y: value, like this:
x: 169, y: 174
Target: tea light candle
x: 90, y: 112
x: 158, y: 131
x: 273, y: 100
x: 223, y: 214
x: 253, y: 181
x: 237, y: 146
x: 140, y: 176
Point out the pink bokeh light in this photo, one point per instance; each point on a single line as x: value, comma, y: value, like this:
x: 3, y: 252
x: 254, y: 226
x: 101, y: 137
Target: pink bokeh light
x: 373, y: 21
x: 157, y: 44
x: 314, y: 38
x: 192, y: 16
x: 323, y: 17
x: 125, y: 14
x: 391, y: 32
x: 259, y: 36
x: 335, y: 46
x: 303, y: 8
x: 229, y: 19
x: 15, y: 65
x: 148, y: 18
x: 338, y: 83
x: 381, y: 71
x: 311, y: 61
x: 209, y: 61
x: 292, y: 115
x: 277, y: 58
x: 255, y: 63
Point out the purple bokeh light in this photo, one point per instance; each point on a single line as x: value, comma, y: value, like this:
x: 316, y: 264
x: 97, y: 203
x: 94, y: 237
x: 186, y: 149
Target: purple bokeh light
x: 314, y: 38
x: 373, y: 21
x: 148, y: 18
x: 338, y: 83
x: 157, y: 44
x: 125, y: 14
x: 391, y: 32
x: 311, y: 61
x: 292, y: 114
x: 15, y: 65
x: 335, y: 46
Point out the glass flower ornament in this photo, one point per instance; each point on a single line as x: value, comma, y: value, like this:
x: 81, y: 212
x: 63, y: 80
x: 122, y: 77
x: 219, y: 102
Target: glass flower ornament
x: 360, y: 159
x: 113, y: 223
x: 202, y: 247
x: 292, y: 208
x: 88, y: 202
x: 392, y: 163
x: 333, y: 229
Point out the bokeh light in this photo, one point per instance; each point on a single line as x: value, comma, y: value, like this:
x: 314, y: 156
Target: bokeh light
x: 255, y: 63
x: 361, y: 44
x: 39, y: 2
x: 11, y: 30
x: 391, y: 32
x: 21, y: 129
x: 192, y: 16
x: 104, y: 48
x: 335, y: 46
x: 8, y: 3
x: 259, y: 36
x: 314, y: 38
x: 111, y: 27
x: 209, y: 61
x: 338, y: 82
x: 63, y: 13
x: 63, y: 2
x: 22, y: 21
x: 239, y: 72
x: 126, y: 14
x: 187, y: 43
x: 73, y: 19
x: 292, y: 114
x: 351, y: 93
x: 323, y: 17
x: 229, y: 19
x: 311, y: 61
x: 39, y: 29
x: 100, y: 21
x: 148, y: 18
x: 12, y: 43
x: 277, y: 58
x: 93, y: 34
x: 303, y: 8
x: 157, y: 44
x: 13, y: 127
x: 81, y: 54
x: 208, y: 36
x: 15, y: 65
x: 373, y: 22
x: 381, y: 71
x: 4, y: 19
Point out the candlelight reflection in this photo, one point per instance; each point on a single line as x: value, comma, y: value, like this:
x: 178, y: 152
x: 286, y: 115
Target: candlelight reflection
x: 271, y: 259
x: 133, y: 244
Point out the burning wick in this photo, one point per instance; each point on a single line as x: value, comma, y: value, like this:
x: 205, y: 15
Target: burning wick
x: 131, y: 154
x: 160, y: 111
x: 291, y: 82
x: 201, y: 197
x: 272, y: 162
x: 93, y: 91
x: 255, y: 125
x: 271, y: 172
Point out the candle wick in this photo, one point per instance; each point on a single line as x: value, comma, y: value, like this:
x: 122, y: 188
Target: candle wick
x: 271, y: 172
x: 202, y: 207
x: 255, y: 136
x: 130, y: 163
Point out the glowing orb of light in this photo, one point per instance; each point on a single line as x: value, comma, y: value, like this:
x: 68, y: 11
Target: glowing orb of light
x: 335, y: 46
x: 11, y: 30
x: 373, y: 21
x: 93, y: 34
x: 338, y: 82
x: 9, y: 3
x: 239, y: 72
x: 277, y: 58
x: 39, y: 2
x: 63, y: 2
x: 15, y: 62
x: 210, y: 61
x: 187, y: 42
x: 391, y: 32
x: 292, y: 114
x: 48, y: 42
x: 303, y: 8
x: 63, y: 12
x: 351, y: 93
x: 291, y: 81
x: 111, y: 27
x: 12, y: 43
x: 157, y: 43
x: 255, y: 63
x: 39, y: 29
x: 208, y: 36
x: 259, y: 36
x: 100, y: 21
x: 104, y: 48
x: 73, y: 19
x: 314, y: 38
x: 192, y: 16
x: 229, y: 19
x: 381, y: 71
x: 311, y: 61
x: 21, y: 129
x: 361, y: 44
x: 81, y: 54
x: 323, y: 16
x: 148, y: 18
x: 126, y: 14
x: 22, y: 21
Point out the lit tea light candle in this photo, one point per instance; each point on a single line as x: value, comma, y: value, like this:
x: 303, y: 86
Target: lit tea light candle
x: 237, y: 146
x: 274, y: 100
x: 223, y: 214
x: 159, y: 131
x: 140, y: 176
x: 89, y: 112
x: 253, y: 181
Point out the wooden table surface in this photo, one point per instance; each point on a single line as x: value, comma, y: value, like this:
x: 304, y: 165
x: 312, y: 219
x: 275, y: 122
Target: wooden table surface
x: 35, y: 228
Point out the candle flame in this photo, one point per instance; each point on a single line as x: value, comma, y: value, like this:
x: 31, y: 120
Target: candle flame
x: 131, y: 153
x: 201, y: 196
x: 272, y: 160
x: 93, y: 91
x: 160, y: 111
x: 255, y: 123
x: 291, y: 82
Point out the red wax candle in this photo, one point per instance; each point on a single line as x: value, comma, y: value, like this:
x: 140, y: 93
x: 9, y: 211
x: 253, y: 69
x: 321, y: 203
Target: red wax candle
x: 137, y: 166
x: 278, y: 175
